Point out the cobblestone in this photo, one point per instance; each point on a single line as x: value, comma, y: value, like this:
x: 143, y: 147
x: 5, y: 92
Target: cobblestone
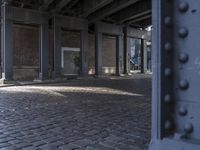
x: 87, y: 114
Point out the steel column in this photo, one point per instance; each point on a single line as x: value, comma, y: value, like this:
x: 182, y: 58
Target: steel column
x: 84, y: 53
x: 6, y: 46
x: 143, y: 55
x: 57, y: 49
x: 44, y: 51
x: 98, y: 52
x: 127, y: 52
x: 119, y: 55
x: 175, y: 107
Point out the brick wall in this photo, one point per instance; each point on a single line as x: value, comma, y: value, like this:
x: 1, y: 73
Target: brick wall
x: 109, y: 54
x: 70, y: 39
x: 26, y: 45
x: 26, y: 50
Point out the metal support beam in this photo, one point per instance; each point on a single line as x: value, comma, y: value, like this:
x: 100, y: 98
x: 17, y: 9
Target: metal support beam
x: 119, y: 55
x: 44, y: 52
x: 143, y: 56
x: 146, y: 17
x: 84, y: 53
x: 6, y: 46
x: 127, y: 52
x: 175, y: 107
x: 71, y: 23
x: 26, y: 16
x: 110, y: 29
x: 61, y: 5
x: 132, y: 12
x: 98, y: 51
x: 110, y: 9
x: 57, y: 49
x: 45, y: 5
x: 94, y: 5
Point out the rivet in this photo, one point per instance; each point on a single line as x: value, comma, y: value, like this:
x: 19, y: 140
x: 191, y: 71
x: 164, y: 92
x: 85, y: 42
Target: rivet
x: 183, y: 6
x: 168, y: 72
x: 168, y: 46
x: 183, y: 84
x: 183, y: 111
x: 188, y: 128
x: 168, y: 125
x: 168, y: 21
x: 183, y: 32
x: 168, y: 98
x: 183, y: 57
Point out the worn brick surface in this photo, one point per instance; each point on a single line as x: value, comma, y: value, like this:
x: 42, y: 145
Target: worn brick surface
x: 92, y: 114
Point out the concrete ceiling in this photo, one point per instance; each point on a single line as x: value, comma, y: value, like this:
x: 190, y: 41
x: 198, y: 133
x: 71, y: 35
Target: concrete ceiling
x: 135, y: 13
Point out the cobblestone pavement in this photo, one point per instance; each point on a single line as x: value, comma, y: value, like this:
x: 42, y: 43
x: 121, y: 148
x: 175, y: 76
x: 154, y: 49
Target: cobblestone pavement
x: 92, y: 114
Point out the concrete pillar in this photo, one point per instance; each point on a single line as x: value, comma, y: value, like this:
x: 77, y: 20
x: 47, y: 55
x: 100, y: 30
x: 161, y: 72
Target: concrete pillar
x: 98, y: 52
x: 119, y: 55
x: 143, y: 56
x: 6, y: 47
x: 57, y: 50
x: 84, y: 53
x: 44, y: 51
x: 127, y: 52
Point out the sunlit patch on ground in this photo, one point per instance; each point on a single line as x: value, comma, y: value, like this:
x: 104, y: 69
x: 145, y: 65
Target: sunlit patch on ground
x: 55, y: 90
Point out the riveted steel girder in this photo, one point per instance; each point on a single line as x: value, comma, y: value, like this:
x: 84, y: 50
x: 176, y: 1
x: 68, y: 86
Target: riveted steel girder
x: 176, y: 115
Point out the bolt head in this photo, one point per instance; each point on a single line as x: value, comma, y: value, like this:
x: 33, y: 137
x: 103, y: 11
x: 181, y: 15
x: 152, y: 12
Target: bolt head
x: 168, y: 72
x: 183, y: 32
x: 168, y: 98
x: 168, y: 21
x: 168, y: 46
x: 183, y: 84
x: 188, y: 128
x: 183, y: 6
x: 183, y: 57
x: 168, y: 125
x: 183, y: 111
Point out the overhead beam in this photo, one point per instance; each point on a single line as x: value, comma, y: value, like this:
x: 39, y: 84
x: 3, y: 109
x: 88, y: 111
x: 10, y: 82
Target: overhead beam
x: 110, y: 9
x: 19, y: 3
x: 110, y: 29
x: 94, y: 6
x: 61, y: 5
x: 71, y: 23
x: 68, y: 8
x: 145, y: 13
x: 139, y: 9
x: 45, y: 4
x: 143, y: 23
x: 146, y: 17
x: 26, y: 16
